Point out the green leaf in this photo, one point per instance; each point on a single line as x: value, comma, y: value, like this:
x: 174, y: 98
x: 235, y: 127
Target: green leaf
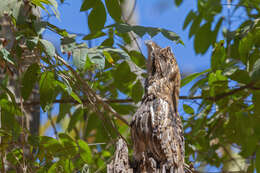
x: 123, y: 77
x: 188, y: 109
x: 120, y: 52
x: 47, y: 89
x: 139, y: 30
x: 218, y: 56
x: 29, y: 79
x: 48, y: 47
x: 69, y: 144
x: 152, y: 31
x: 191, y: 77
x: 68, y: 44
x: 108, y: 57
x: 114, y: 9
x: 216, y: 30
x: 245, y: 46
x: 97, y: 17
x: 188, y: 19
x: 142, y: 30
x: 137, y: 91
x: 88, y: 4
x: 171, y: 36
x: 195, y: 25
x: 202, y: 39
x: 122, y: 27
x: 85, y: 152
x: 138, y: 58
x: 9, y: 108
x: 255, y: 73
x: 77, y: 115
x: 79, y: 57
x: 47, y: 2
x: 178, y: 2
x: 5, y: 54
x: 61, y: 32
x: 94, y: 35
x: 199, y: 84
x: 12, y: 96
x: 64, y: 109
x: 67, y: 88
x: 108, y: 42
x: 240, y: 76
x: 97, y: 57
x: 256, y: 101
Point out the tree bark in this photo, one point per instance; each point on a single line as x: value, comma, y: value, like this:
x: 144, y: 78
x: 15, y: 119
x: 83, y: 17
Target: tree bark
x: 31, y: 114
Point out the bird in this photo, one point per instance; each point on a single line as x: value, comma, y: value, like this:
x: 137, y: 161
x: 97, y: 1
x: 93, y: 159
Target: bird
x: 156, y: 127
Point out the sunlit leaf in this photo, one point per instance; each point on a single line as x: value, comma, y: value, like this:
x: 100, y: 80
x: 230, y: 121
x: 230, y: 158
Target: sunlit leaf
x: 66, y: 87
x: 108, y: 57
x: 48, y: 47
x: 191, y: 77
x: 79, y: 57
x: 138, y: 58
x: 218, y: 56
x: 188, y: 109
x: 5, y: 54
x: 85, y: 152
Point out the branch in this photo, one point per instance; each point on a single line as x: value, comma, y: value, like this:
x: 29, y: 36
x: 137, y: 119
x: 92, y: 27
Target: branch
x: 129, y: 100
x: 93, y: 98
x: 37, y: 102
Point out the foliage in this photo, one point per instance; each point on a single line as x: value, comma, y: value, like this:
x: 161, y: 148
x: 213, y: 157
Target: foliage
x: 224, y: 130
x: 89, y: 87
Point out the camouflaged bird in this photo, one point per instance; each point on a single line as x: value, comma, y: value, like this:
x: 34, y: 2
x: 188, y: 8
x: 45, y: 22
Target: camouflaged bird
x: 156, y: 128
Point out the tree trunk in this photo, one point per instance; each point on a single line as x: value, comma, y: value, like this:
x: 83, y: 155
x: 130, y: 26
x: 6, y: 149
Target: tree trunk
x: 31, y: 114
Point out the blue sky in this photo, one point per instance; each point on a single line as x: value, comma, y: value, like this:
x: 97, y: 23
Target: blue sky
x: 154, y: 13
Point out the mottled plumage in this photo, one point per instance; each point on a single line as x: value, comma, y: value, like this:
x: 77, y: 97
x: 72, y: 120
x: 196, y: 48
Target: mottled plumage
x: 156, y: 128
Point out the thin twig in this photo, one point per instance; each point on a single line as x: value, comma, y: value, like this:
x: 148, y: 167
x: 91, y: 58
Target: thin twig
x: 91, y: 95
x: 231, y: 157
